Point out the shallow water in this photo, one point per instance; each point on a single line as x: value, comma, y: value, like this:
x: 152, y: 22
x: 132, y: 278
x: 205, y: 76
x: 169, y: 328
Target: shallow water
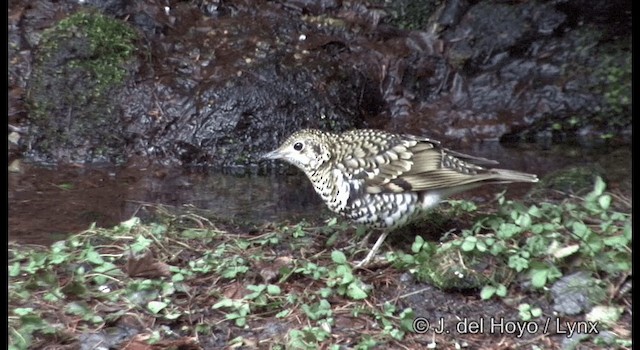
x: 47, y: 203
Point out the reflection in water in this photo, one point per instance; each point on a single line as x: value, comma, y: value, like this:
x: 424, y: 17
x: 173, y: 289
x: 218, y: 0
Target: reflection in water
x: 45, y: 203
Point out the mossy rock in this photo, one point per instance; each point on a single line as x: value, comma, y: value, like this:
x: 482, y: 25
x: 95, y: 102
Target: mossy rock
x: 80, y: 66
x: 454, y: 269
x: 573, y: 179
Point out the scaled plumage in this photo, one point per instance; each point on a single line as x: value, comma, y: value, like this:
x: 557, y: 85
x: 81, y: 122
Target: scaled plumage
x: 382, y: 179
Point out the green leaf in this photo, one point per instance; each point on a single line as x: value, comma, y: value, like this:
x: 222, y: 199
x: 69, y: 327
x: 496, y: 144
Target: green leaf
x: 524, y: 221
x: 604, y: 201
x: 507, y: 230
x: 129, y: 224
x: 22, y: 311
x: 501, y: 291
x: 417, y: 244
x: 627, y: 231
x: 94, y: 257
x: 223, y: 303
x: 536, y: 312
x: 487, y: 292
x: 534, y: 211
x: 325, y: 292
x: 257, y: 291
x: 355, y: 292
x: 14, y: 270
x: 524, y: 307
x: 172, y: 315
x: 95, y: 319
x: 518, y: 262
x: 338, y: 257
x: 616, y: 241
x: 284, y: 313
x: 345, y: 274
x: 257, y: 288
x: 158, y: 229
x: 580, y: 229
x: 77, y: 308
x: 272, y: 289
x: 65, y: 186
x: 110, y: 269
x: 156, y: 306
x: 469, y: 243
x: 537, y: 229
x: 539, y: 278
x: 468, y: 246
x: 140, y: 244
x: 599, y: 186
x: 240, y: 321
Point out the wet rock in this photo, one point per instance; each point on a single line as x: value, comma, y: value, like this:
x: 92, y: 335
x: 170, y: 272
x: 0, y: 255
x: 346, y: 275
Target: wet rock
x: 576, y: 293
x: 414, y: 14
x: 449, y: 270
x: 238, y: 91
x: 109, y: 338
x: 81, y: 64
x: 491, y: 28
x: 572, y: 342
x: 450, y: 13
x: 218, y: 83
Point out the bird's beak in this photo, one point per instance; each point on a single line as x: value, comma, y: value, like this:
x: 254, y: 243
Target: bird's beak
x: 275, y: 154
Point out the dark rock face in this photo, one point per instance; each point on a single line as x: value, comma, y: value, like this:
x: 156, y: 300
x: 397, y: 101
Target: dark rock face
x: 218, y: 83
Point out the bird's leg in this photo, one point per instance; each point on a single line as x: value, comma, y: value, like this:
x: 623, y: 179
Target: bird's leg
x: 365, y: 239
x: 373, y: 250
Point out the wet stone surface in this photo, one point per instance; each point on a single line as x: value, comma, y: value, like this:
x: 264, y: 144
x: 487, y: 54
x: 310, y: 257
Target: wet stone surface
x: 216, y: 84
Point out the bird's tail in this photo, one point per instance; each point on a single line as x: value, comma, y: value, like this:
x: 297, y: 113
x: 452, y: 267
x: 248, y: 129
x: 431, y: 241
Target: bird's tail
x: 504, y: 175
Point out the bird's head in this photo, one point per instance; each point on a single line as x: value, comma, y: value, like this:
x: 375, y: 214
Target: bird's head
x: 307, y: 149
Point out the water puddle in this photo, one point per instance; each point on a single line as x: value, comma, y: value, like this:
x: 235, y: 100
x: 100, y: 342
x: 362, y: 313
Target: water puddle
x: 46, y: 204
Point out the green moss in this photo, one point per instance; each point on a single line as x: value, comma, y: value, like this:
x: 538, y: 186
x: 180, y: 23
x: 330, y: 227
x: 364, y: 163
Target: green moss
x: 615, y: 74
x: 611, y: 80
x: 599, y: 68
x: 111, y: 43
x: 410, y: 14
x: 573, y: 179
x: 450, y: 269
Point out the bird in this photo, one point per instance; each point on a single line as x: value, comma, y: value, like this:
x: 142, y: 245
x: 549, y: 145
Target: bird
x: 385, y: 180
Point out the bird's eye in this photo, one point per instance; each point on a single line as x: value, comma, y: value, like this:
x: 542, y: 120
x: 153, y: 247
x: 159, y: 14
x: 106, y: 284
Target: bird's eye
x: 298, y: 146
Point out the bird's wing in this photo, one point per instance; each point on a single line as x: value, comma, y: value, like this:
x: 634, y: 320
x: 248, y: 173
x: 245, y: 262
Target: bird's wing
x: 402, y: 163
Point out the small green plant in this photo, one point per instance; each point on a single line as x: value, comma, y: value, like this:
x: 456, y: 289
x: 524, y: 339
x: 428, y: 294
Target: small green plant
x: 344, y: 280
x: 240, y: 309
x: 307, y: 337
x: 527, y: 312
x: 261, y: 297
x: 489, y: 291
x: 317, y: 311
x: 537, y: 241
x: 312, y: 270
x: 298, y: 230
x: 24, y: 325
